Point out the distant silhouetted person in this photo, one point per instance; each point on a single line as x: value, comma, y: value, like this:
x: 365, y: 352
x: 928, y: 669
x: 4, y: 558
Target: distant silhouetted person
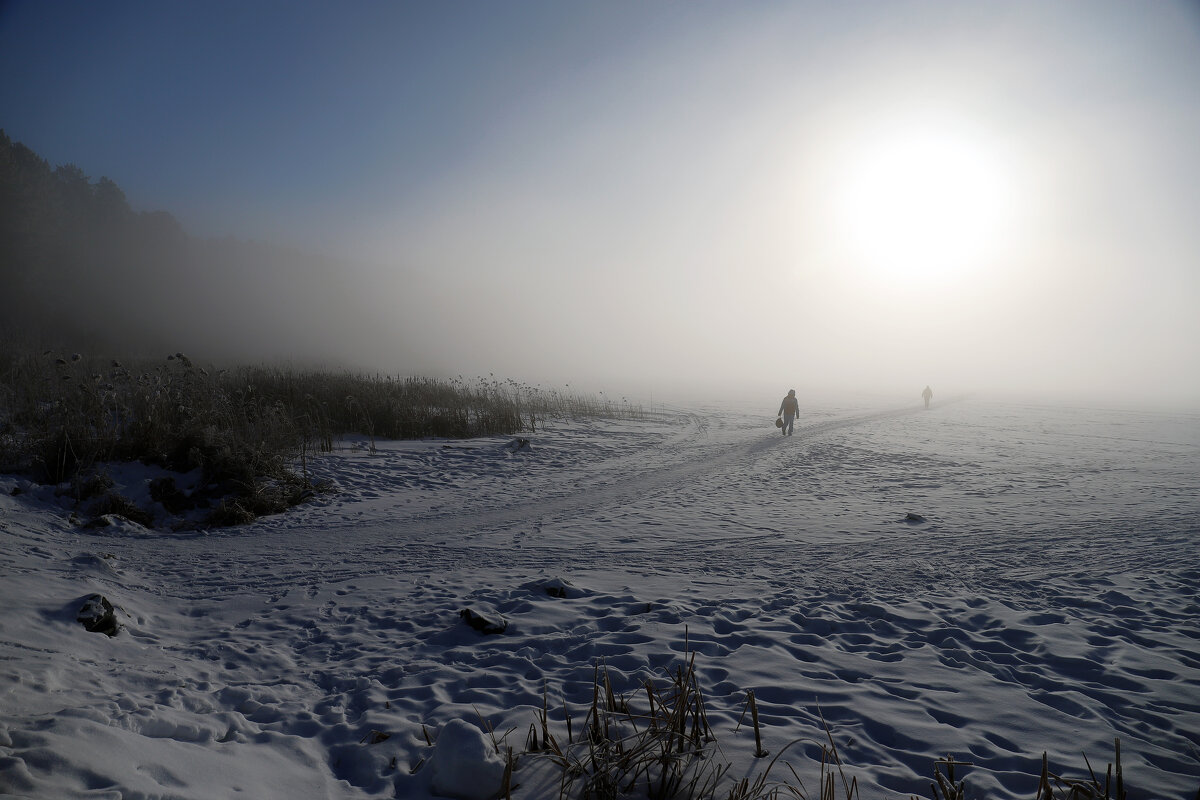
x: 789, y: 409
x: 927, y: 395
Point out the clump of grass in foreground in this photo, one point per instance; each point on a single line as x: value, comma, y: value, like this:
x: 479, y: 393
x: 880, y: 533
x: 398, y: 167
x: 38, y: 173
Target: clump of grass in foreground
x: 658, y: 745
x: 244, y: 427
x: 661, y: 749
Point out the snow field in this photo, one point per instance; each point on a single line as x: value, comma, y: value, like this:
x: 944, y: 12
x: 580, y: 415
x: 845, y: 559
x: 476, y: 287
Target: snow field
x: 1048, y: 601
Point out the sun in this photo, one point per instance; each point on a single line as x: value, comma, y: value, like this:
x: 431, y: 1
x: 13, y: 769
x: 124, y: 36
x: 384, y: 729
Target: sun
x: 920, y: 206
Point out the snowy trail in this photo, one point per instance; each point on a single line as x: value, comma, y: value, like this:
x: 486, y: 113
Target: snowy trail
x: 512, y: 524
x: 1048, y: 602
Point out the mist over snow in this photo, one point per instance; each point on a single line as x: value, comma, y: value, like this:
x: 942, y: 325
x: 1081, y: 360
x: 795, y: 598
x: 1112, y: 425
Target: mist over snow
x: 694, y: 207
x: 656, y: 200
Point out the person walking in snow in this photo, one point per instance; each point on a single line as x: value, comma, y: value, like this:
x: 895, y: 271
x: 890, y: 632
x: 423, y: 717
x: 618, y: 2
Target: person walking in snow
x: 927, y: 395
x: 789, y: 409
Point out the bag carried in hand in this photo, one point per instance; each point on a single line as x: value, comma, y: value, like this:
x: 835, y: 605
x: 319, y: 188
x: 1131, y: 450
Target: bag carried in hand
x: 779, y: 422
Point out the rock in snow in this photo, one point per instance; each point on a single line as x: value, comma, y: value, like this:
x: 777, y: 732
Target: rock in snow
x: 518, y: 445
x: 465, y: 764
x: 97, y: 615
x: 555, y: 587
x: 484, y: 618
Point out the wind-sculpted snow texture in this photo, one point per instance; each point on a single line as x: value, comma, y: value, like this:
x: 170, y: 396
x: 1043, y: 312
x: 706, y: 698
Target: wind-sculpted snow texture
x: 1047, y: 601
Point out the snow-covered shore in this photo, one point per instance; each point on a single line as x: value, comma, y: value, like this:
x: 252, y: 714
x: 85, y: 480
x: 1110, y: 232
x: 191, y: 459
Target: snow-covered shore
x: 1046, y: 600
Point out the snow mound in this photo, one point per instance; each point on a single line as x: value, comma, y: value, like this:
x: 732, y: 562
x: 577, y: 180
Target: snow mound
x: 465, y: 765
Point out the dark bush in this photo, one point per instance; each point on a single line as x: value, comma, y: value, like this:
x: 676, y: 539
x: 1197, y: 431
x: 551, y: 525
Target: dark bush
x: 118, y: 505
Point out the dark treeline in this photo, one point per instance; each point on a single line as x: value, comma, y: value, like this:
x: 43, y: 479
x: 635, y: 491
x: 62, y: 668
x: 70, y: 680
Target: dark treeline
x: 80, y: 268
x: 67, y: 245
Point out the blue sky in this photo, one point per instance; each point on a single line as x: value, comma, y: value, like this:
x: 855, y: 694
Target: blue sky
x: 294, y: 109
x: 671, y: 196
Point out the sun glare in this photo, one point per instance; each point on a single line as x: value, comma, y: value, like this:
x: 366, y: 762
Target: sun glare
x: 920, y: 207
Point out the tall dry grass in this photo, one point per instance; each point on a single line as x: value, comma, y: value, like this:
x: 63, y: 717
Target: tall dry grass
x: 246, y: 427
